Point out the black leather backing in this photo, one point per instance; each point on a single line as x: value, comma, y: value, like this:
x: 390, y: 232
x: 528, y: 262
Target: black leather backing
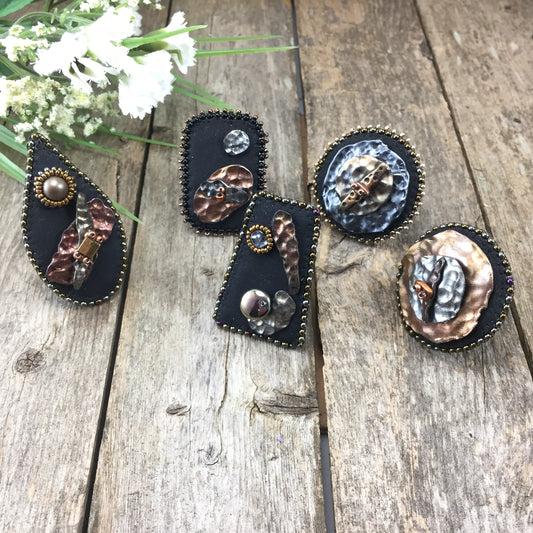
x: 503, y: 288
x: 265, y: 271
x: 43, y: 227
x: 203, y: 153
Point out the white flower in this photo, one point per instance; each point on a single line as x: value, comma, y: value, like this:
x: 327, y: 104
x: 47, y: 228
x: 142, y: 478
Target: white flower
x: 91, y: 126
x: 90, y: 55
x: 16, y: 30
x: 114, y: 25
x: 67, y: 56
x: 15, y: 46
x: 42, y: 30
x: 181, y: 46
x: 4, y: 105
x: 145, y: 85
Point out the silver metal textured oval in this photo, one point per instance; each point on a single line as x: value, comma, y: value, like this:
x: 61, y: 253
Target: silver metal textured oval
x: 236, y: 142
x: 369, y: 183
x: 279, y: 317
x: 448, y: 289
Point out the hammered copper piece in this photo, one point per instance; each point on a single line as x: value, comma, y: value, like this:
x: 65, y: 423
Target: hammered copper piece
x: 93, y: 217
x: 281, y: 312
x: 227, y: 189
x: 284, y: 234
x: 363, y: 184
x: 478, y: 278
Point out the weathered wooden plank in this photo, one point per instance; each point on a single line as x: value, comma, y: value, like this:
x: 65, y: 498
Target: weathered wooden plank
x: 420, y: 441
x: 486, y: 65
x: 54, y: 362
x: 241, y: 452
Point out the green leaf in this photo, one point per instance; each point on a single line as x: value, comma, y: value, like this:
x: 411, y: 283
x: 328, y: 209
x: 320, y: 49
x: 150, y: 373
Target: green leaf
x: 218, y: 103
x: 10, y: 168
x: 14, y: 5
x: 190, y: 94
x: 13, y: 68
x: 207, y: 53
x: 108, y: 131
x: 7, y: 137
x: 134, y: 42
x: 234, y: 39
x: 90, y: 144
x: 129, y: 214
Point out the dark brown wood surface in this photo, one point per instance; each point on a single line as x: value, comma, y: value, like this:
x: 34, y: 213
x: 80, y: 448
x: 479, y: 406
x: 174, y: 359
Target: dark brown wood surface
x: 142, y: 415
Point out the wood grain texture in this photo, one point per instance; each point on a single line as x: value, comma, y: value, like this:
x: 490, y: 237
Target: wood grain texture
x: 241, y: 452
x: 420, y: 441
x: 486, y: 64
x: 54, y: 362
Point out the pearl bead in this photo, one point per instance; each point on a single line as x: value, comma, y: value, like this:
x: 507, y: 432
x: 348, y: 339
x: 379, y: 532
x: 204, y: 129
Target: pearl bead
x: 55, y: 188
x: 255, y: 304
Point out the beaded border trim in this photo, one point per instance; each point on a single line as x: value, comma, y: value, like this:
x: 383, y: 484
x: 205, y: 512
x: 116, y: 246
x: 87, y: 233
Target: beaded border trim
x: 28, y: 190
x: 312, y: 257
x: 409, y: 146
x: 508, y: 299
x: 184, y: 162
x: 268, y: 234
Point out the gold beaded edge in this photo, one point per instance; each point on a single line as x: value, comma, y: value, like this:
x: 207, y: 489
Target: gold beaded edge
x: 267, y: 232
x: 28, y: 190
x: 508, y: 300
x: 309, y: 279
x: 409, y: 146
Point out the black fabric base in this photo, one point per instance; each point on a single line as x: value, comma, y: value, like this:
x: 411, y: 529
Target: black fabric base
x: 503, y: 288
x: 414, y: 171
x: 203, y: 153
x: 44, y: 227
x: 265, y: 272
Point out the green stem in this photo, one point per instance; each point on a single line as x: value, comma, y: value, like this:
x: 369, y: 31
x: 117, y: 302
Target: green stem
x: 216, y: 101
x: 108, y: 131
x: 234, y: 39
x: 134, y: 42
x: 17, y: 70
x: 83, y: 143
x: 202, y: 99
x: 207, y: 53
x: 48, y: 5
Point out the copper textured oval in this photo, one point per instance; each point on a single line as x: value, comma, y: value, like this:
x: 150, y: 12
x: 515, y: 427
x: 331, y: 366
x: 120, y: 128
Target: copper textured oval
x: 284, y: 233
x: 488, y: 287
x: 478, y: 277
x: 227, y: 189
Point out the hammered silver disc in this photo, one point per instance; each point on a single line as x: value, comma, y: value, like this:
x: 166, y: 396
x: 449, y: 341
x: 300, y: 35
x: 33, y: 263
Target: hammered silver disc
x: 236, y: 142
x: 450, y: 291
x: 354, y: 170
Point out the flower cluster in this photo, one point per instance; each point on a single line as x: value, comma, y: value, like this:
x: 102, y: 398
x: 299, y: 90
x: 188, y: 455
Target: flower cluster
x: 76, y: 72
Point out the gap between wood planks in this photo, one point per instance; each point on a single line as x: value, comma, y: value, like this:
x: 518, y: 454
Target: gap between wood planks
x: 329, y: 513
x: 114, y: 345
x: 526, y: 348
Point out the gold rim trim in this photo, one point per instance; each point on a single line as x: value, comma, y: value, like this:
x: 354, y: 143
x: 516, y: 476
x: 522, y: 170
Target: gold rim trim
x: 54, y: 172
x: 268, y: 234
